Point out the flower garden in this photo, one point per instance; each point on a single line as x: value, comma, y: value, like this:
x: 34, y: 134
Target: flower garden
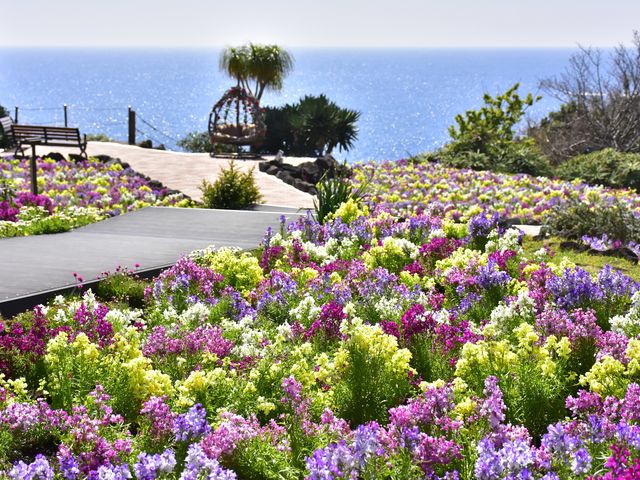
x: 405, y: 187
x: 72, y: 194
x: 369, y: 347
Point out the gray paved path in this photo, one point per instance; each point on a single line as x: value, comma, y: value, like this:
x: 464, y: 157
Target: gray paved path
x: 151, y: 237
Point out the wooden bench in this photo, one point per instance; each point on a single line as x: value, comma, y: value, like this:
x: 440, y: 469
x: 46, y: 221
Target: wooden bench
x: 6, y: 123
x: 43, y: 135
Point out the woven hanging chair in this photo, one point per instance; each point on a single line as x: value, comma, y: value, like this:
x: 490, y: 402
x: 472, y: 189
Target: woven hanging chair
x: 237, y: 120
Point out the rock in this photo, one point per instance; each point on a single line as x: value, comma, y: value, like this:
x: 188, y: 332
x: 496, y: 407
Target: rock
x: 282, y: 175
x: 310, y: 172
x: 75, y: 157
x: 105, y: 159
x: 327, y: 163
x: 56, y: 156
x: 145, y: 144
x: 302, y: 185
x: 305, y: 176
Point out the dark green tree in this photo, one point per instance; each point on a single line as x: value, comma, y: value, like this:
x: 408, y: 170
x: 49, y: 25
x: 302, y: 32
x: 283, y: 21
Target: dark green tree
x: 490, y: 130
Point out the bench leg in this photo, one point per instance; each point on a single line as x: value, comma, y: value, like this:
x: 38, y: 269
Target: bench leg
x: 83, y: 151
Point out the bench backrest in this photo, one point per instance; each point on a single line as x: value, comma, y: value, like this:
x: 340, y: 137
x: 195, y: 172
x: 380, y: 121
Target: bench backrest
x: 48, y: 134
x: 6, y: 123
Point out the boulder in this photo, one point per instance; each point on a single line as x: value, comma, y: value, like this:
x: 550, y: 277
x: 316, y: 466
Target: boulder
x: 305, y: 176
x: 310, y: 172
x: 302, y: 185
x: 56, y: 156
x: 76, y: 157
x: 105, y: 159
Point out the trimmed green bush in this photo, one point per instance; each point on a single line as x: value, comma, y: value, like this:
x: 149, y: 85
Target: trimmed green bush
x: 232, y: 189
x: 606, y: 167
x: 518, y: 158
x: 575, y: 218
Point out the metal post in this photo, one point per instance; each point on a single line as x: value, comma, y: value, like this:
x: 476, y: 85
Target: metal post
x: 132, y: 126
x: 16, y: 115
x: 34, y: 170
x: 66, y: 123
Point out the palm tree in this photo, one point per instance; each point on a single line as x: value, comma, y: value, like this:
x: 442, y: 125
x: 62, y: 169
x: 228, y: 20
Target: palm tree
x: 257, y: 67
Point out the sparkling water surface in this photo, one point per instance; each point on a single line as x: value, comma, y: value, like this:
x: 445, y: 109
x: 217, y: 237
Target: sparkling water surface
x: 408, y: 98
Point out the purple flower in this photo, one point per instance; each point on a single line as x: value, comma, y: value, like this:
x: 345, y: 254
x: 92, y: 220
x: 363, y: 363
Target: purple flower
x: 493, y: 407
x: 191, y: 425
x: 328, y: 322
x: 39, y: 469
x: 198, y: 465
x: 69, y: 467
x: 574, y: 288
x: 150, y: 467
x: 111, y: 472
x: 292, y: 389
x: 581, y: 462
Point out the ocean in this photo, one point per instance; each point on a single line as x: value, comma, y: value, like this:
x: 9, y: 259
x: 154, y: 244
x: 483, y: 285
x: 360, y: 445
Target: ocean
x: 407, y: 97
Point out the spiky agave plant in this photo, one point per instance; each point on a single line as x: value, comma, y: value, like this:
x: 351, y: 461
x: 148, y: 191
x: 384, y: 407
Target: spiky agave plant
x: 333, y: 192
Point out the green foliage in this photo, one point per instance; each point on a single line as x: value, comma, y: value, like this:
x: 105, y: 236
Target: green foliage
x: 575, y: 218
x: 241, y: 270
x: 122, y: 286
x: 606, y: 167
x: 200, y: 142
x: 232, y: 189
x: 38, y: 221
x: 490, y: 130
x: 264, y: 65
x: 197, y: 142
x: 334, y: 192
x: 587, y: 260
x: 99, y: 137
x: 515, y: 158
x: 314, y: 126
x: 375, y: 378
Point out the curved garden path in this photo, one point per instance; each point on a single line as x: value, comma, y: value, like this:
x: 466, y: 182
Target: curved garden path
x: 185, y: 171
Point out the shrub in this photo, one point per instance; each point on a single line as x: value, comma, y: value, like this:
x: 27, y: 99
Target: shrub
x: 122, y: 286
x: 232, y: 189
x: 574, y: 219
x: 516, y: 158
x: 98, y: 137
x: 200, y: 142
x: 313, y: 126
x: 606, y: 167
x: 333, y: 193
x: 197, y: 142
x: 491, y: 129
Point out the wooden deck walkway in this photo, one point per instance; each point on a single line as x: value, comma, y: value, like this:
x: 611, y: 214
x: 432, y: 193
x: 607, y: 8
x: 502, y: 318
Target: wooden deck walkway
x: 39, y: 266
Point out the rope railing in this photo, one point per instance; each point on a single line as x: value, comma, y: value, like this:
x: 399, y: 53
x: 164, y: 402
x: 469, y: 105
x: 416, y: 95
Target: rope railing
x: 130, y: 122
x: 156, y: 129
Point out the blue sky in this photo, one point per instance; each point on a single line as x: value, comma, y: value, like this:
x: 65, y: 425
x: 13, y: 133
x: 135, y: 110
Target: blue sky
x: 320, y: 23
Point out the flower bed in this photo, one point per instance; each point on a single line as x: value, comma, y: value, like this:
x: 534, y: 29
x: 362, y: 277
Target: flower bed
x: 72, y: 194
x: 459, y: 194
x: 365, y: 348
